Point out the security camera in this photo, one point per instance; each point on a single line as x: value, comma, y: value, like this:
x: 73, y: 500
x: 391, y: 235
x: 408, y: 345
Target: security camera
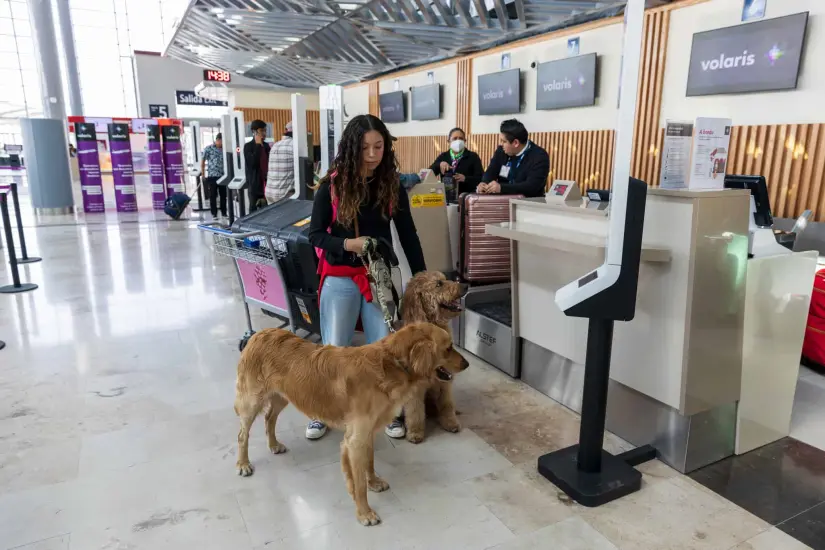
x: 533, y: 65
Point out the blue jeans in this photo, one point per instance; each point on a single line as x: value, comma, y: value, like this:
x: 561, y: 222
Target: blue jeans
x: 341, y: 305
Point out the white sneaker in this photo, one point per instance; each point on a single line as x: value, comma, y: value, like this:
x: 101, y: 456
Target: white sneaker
x: 396, y: 429
x: 316, y: 430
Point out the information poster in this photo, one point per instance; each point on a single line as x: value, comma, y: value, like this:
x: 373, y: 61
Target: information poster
x: 172, y: 160
x: 88, y: 163
x: 676, y: 155
x: 123, y: 172
x: 709, y: 156
x: 155, y: 161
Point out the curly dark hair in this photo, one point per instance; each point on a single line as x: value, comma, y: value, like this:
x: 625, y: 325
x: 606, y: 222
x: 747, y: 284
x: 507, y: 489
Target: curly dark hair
x: 349, y: 184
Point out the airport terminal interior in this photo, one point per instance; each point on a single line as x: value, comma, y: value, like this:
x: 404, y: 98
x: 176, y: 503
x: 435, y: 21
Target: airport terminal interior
x: 628, y: 197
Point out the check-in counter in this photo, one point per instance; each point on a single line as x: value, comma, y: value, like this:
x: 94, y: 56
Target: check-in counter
x: 676, y: 371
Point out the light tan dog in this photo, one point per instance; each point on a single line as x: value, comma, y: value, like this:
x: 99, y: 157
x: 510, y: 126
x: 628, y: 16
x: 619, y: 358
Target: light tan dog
x: 357, y: 389
x: 430, y: 297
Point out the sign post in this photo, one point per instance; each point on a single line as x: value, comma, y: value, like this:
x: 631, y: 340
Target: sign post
x: 155, y: 161
x: 123, y: 172
x: 88, y: 161
x: 172, y: 160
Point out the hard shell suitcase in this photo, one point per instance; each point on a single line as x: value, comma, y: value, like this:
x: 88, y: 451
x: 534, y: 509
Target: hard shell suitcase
x: 483, y: 258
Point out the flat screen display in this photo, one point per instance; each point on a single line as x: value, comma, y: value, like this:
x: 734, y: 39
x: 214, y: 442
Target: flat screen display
x: 569, y: 82
x: 499, y: 93
x: 426, y: 102
x: 755, y: 57
x: 392, y: 107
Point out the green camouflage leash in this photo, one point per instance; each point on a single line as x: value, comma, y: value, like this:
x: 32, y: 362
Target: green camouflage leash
x: 380, y: 279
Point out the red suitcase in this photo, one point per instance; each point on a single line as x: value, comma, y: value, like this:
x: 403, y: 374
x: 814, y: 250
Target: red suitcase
x: 483, y: 258
x: 813, y: 348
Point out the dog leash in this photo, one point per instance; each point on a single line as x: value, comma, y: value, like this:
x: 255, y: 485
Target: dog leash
x: 380, y: 279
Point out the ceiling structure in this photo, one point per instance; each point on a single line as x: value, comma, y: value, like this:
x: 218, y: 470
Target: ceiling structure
x: 309, y: 43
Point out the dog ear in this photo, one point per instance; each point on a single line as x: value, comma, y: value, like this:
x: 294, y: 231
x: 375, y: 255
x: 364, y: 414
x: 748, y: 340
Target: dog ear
x: 423, y: 357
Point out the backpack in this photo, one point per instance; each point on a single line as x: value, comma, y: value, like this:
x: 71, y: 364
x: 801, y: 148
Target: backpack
x: 175, y: 205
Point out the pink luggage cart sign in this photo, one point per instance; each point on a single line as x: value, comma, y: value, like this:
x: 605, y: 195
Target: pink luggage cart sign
x: 263, y: 284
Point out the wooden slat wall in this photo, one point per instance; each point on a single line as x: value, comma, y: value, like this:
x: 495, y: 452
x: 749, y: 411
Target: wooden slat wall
x: 417, y: 152
x: 464, y: 95
x: 279, y: 117
x: 585, y: 157
x: 792, y: 159
x: 647, y: 135
x: 374, y: 105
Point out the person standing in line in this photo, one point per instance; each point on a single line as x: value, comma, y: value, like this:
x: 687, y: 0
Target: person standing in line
x: 518, y: 167
x: 358, y: 198
x: 280, y: 179
x: 212, y: 160
x: 256, y: 155
x: 460, y: 163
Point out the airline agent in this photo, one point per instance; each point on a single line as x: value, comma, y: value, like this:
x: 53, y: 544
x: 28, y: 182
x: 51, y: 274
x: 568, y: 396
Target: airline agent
x: 518, y: 167
x: 459, y: 162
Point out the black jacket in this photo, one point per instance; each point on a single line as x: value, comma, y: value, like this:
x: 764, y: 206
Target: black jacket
x: 371, y: 223
x: 530, y: 175
x: 254, y: 179
x: 469, y: 165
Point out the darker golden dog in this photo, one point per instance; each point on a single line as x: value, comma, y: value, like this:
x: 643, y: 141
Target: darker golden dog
x: 357, y: 389
x: 430, y: 297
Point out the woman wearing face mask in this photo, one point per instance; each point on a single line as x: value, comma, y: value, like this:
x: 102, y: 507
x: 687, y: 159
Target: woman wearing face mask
x: 460, y: 163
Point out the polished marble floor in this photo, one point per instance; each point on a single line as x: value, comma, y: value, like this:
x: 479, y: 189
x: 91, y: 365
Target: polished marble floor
x: 808, y: 421
x: 117, y: 430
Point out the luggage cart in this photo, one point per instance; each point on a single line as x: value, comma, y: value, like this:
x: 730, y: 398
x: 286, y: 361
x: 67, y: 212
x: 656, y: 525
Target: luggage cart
x: 256, y: 256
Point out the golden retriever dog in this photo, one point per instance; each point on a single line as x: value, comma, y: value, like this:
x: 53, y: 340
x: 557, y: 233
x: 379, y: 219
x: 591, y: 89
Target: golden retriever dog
x: 356, y: 389
x: 430, y: 297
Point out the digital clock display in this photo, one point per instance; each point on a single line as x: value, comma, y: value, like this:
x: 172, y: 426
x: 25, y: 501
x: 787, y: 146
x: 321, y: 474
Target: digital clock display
x: 214, y: 75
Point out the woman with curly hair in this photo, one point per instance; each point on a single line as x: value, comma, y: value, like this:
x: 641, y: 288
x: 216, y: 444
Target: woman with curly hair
x: 357, y: 199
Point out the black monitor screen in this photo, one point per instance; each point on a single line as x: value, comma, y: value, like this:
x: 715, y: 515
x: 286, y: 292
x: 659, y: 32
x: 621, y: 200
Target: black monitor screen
x: 567, y: 83
x: 499, y: 93
x: 755, y: 57
x: 392, y: 107
x: 426, y: 102
x: 759, y: 191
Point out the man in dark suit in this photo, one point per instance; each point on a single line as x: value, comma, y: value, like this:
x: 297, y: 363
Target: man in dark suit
x: 518, y: 167
x: 256, y: 154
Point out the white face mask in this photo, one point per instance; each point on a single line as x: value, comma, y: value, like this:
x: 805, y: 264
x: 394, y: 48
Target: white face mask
x: 457, y: 145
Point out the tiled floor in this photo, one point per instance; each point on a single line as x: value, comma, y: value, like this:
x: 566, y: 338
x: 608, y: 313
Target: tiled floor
x: 782, y: 483
x: 117, y: 431
x: 808, y: 422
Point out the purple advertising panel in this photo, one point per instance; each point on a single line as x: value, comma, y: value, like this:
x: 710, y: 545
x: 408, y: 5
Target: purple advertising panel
x: 88, y: 163
x: 173, y: 160
x: 123, y: 172
x: 155, y: 161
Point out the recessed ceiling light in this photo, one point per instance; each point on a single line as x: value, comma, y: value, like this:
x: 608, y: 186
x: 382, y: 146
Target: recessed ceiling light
x: 217, y: 11
x: 277, y: 49
x: 236, y: 16
x: 233, y: 22
x: 348, y: 7
x: 241, y: 72
x: 292, y: 39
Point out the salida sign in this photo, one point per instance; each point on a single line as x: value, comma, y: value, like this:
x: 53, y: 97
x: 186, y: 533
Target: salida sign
x: 569, y: 82
x: 755, y: 57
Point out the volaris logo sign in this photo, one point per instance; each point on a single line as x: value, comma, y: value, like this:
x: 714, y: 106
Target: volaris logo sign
x: 569, y: 82
x: 754, y: 57
x: 500, y: 93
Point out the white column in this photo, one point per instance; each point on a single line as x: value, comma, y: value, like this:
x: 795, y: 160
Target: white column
x: 51, y: 88
x: 64, y: 17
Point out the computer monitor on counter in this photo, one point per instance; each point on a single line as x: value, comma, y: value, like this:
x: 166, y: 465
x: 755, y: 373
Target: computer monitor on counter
x: 758, y: 187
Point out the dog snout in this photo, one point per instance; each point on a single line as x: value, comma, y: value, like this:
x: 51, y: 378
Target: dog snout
x: 464, y: 363
x: 464, y: 288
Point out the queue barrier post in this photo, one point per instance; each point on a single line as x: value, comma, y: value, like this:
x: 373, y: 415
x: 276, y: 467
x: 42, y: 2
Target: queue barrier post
x: 16, y: 285
x: 25, y: 258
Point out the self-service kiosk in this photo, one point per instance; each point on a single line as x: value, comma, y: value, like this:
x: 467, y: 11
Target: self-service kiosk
x: 234, y: 178
x: 194, y: 162
x: 332, y: 122
x: 586, y: 472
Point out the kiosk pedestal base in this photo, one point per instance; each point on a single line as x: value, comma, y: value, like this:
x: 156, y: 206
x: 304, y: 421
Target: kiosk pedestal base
x: 616, y: 478
x: 587, y: 473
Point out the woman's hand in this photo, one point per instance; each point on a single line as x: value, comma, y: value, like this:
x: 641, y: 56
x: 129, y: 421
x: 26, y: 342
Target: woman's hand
x: 355, y: 245
x: 459, y: 178
x: 445, y: 167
